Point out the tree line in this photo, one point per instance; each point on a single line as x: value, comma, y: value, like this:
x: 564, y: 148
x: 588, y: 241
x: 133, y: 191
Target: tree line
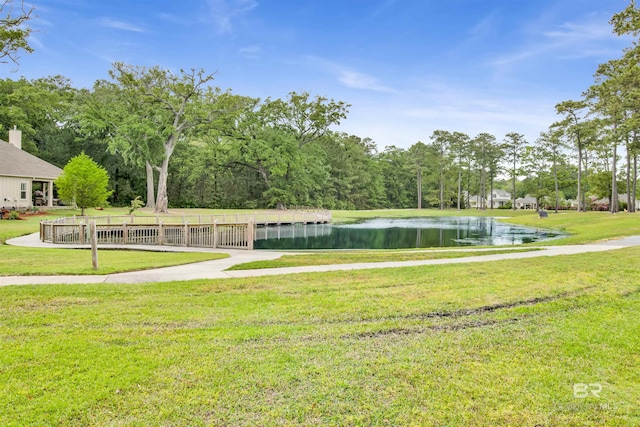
x: 177, y: 140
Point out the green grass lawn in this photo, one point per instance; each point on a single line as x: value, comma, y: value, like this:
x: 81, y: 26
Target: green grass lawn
x: 340, y: 257
x: 502, y: 343
x: 43, y: 261
x: 21, y: 261
x: 16, y: 228
x: 518, y: 342
x: 586, y: 226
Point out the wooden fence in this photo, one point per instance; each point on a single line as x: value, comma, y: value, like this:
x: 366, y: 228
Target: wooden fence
x: 231, y: 231
x: 227, y: 235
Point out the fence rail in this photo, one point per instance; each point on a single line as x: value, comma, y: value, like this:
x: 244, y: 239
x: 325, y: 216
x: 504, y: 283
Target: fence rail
x: 232, y: 231
x: 227, y: 235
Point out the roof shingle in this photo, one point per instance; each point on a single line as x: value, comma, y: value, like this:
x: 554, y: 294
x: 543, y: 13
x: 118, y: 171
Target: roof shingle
x: 18, y: 163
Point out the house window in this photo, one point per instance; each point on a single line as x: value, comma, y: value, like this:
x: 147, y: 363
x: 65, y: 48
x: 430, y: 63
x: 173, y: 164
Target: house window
x: 23, y: 191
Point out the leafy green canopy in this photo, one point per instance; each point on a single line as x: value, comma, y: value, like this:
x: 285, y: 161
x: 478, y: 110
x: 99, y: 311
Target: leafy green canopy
x: 13, y: 33
x: 84, y: 182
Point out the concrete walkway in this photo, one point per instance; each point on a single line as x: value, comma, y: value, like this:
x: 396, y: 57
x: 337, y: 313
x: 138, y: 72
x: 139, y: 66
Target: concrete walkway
x: 216, y: 269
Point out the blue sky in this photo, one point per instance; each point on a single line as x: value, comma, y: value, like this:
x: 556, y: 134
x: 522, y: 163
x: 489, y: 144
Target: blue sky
x: 407, y: 67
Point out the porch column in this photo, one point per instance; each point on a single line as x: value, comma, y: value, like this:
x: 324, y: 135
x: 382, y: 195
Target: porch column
x: 50, y: 193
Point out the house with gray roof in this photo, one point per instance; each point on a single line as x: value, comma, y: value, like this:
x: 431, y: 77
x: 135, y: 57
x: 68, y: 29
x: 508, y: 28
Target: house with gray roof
x: 25, y: 180
x: 499, y: 198
x: 527, y: 202
x: 622, y: 198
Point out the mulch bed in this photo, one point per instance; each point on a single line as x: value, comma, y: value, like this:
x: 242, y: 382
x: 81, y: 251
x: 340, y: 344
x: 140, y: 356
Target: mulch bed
x: 5, y: 214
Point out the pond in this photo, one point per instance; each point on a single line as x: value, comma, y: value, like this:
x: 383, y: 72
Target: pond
x: 400, y: 233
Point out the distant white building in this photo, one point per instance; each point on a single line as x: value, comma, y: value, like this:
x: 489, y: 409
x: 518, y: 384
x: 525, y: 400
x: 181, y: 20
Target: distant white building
x: 527, y: 202
x: 475, y: 202
x: 623, y: 198
x: 500, y: 198
x: 572, y: 203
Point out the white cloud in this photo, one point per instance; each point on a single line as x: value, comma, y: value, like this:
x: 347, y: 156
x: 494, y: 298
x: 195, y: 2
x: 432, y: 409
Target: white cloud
x: 413, y: 115
x: 175, y: 19
x: 251, y: 52
x: 356, y: 80
x: 571, y: 32
x: 485, y: 26
x: 121, y: 25
x: 382, y: 8
x: 224, y: 12
x: 349, y: 77
x: 37, y: 43
x: 592, y: 38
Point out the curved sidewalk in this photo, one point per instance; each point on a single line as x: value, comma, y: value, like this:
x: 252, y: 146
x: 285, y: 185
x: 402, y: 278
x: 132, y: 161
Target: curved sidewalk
x: 216, y: 269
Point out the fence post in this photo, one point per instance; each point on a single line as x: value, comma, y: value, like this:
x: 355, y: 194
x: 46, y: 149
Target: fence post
x: 54, y: 237
x: 186, y: 234
x: 81, y: 228
x: 125, y: 234
x: 215, y: 234
x: 160, y: 234
x: 250, y: 235
x: 94, y: 244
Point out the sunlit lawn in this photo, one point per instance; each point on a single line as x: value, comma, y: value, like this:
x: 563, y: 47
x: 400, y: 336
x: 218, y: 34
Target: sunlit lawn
x: 341, y: 257
x: 502, y: 343
x: 44, y: 261
x: 586, y: 226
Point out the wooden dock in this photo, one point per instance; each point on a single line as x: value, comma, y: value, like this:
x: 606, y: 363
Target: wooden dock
x: 232, y: 231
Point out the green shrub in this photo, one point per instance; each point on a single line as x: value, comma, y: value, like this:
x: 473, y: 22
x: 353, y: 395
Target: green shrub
x: 136, y: 204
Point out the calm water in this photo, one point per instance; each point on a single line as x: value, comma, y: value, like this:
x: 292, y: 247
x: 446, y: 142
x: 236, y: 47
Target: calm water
x: 392, y: 233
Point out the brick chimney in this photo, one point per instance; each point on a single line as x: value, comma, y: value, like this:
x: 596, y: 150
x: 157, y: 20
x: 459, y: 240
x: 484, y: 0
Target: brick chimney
x: 15, y: 137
